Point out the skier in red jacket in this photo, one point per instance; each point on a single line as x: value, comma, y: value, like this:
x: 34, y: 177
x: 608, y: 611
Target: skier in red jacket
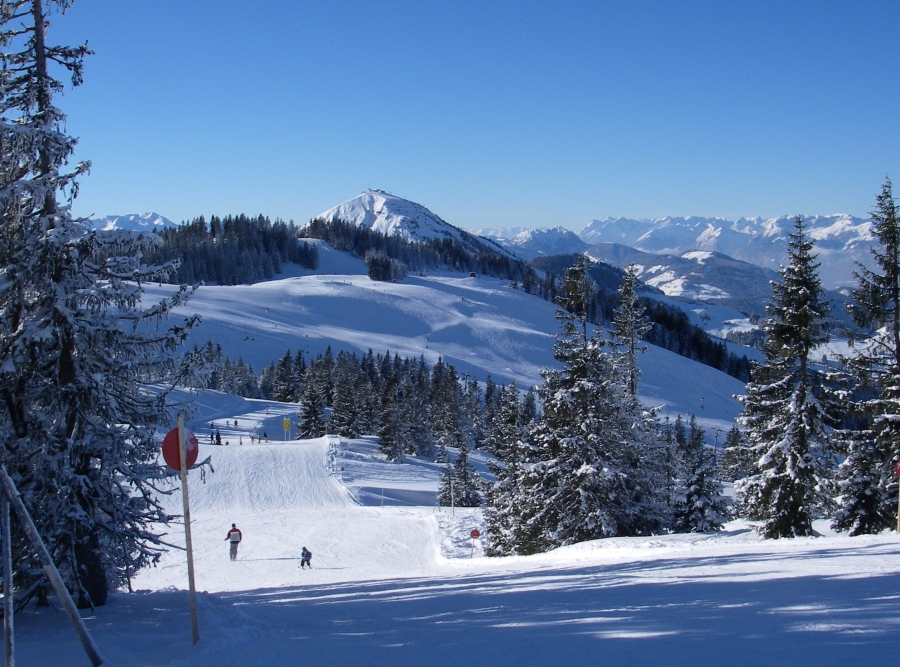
x: 234, y: 537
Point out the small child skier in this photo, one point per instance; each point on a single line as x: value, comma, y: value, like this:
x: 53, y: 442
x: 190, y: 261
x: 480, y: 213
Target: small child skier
x: 306, y: 558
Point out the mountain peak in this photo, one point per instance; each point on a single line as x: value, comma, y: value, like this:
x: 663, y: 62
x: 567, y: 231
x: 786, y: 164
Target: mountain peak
x: 391, y: 215
x: 136, y: 222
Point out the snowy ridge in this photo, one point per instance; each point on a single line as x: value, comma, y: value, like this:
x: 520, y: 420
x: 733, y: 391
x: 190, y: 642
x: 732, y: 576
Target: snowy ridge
x: 135, y: 222
x: 533, y: 243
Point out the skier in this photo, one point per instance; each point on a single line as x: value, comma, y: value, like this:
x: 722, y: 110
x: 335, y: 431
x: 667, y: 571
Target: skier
x: 234, y: 538
x: 305, y: 558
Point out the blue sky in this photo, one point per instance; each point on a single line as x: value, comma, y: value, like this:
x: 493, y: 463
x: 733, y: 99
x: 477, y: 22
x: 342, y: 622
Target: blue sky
x: 488, y: 113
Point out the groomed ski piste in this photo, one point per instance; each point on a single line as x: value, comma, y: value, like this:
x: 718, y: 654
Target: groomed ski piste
x: 396, y: 581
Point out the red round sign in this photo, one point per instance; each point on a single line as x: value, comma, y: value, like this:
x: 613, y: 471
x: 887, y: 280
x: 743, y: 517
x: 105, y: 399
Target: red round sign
x: 897, y: 468
x: 475, y: 534
x: 170, y: 450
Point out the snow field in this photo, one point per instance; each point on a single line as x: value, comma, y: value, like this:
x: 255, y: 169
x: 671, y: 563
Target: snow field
x: 283, y: 497
x: 396, y: 585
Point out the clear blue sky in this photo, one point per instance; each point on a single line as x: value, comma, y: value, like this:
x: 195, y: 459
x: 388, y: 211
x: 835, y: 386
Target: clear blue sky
x: 488, y: 113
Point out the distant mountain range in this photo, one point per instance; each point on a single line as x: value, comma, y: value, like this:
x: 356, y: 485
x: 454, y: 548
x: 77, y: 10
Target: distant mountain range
x: 696, y: 275
x: 710, y: 260
x: 136, y: 222
x: 841, y: 240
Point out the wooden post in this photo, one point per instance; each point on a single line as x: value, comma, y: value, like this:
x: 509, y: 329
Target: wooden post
x: 12, y: 494
x: 195, y: 631
x: 9, y: 651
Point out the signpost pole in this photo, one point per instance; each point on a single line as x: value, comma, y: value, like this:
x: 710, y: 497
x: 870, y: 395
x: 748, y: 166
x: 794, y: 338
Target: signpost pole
x: 475, y: 534
x: 195, y: 631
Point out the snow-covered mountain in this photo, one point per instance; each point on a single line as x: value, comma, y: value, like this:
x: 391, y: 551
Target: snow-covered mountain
x: 697, y: 275
x: 137, y: 222
x: 394, y: 216
x: 841, y: 240
x: 532, y: 243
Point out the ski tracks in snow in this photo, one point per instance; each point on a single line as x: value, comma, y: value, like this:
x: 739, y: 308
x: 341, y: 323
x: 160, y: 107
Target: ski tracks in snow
x: 282, y: 498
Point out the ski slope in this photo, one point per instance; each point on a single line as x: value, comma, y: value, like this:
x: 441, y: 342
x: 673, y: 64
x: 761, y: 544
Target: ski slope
x: 400, y: 584
x: 283, y: 497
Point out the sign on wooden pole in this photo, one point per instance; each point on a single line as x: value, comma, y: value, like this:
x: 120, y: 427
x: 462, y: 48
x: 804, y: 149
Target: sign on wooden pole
x: 182, y: 455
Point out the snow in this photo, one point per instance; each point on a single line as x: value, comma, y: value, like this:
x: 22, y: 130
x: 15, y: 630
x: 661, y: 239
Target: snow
x: 699, y: 256
x: 136, y: 222
x: 396, y: 580
x: 481, y: 326
x: 401, y: 585
x: 392, y: 216
x: 841, y: 239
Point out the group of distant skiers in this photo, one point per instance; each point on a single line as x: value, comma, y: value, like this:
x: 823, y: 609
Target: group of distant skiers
x: 215, y: 437
x: 234, y: 539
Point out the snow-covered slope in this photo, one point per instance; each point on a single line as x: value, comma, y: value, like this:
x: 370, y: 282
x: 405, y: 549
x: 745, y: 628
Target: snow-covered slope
x: 542, y: 242
x: 394, y: 216
x: 840, y: 239
x: 480, y: 325
x: 136, y: 222
x: 697, y: 275
x: 403, y: 585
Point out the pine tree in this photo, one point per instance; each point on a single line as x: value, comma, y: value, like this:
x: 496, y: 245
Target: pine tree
x: 737, y: 460
x: 630, y: 323
x: 283, y: 382
x: 867, y: 484
x: 343, y: 419
x: 312, y: 407
x: 785, y: 409
x: 593, y: 467
x: 507, y: 427
x: 700, y: 506
x: 77, y: 422
x: 460, y: 483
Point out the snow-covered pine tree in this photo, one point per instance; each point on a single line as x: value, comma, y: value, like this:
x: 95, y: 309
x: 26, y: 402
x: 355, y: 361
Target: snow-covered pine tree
x: 460, y: 484
x: 444, y: 411
x: 785, y: 409
x: 412, y: 398
x: 592, y: 471
x: 283, y: 381
x: 506, y: 427
x: 867, y: 484
x: 343, y: 410
x: 312, y: 406
x: 737, y: 460
x: 508, y: 442
x: 77, y: 422
x: 700, y: 506
x: 630, y: 323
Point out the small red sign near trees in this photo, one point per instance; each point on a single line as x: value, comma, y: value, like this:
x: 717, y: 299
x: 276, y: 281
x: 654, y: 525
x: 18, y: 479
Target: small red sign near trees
x: 897, y: 468
x: 170, y: 450
x: 475, y: 534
